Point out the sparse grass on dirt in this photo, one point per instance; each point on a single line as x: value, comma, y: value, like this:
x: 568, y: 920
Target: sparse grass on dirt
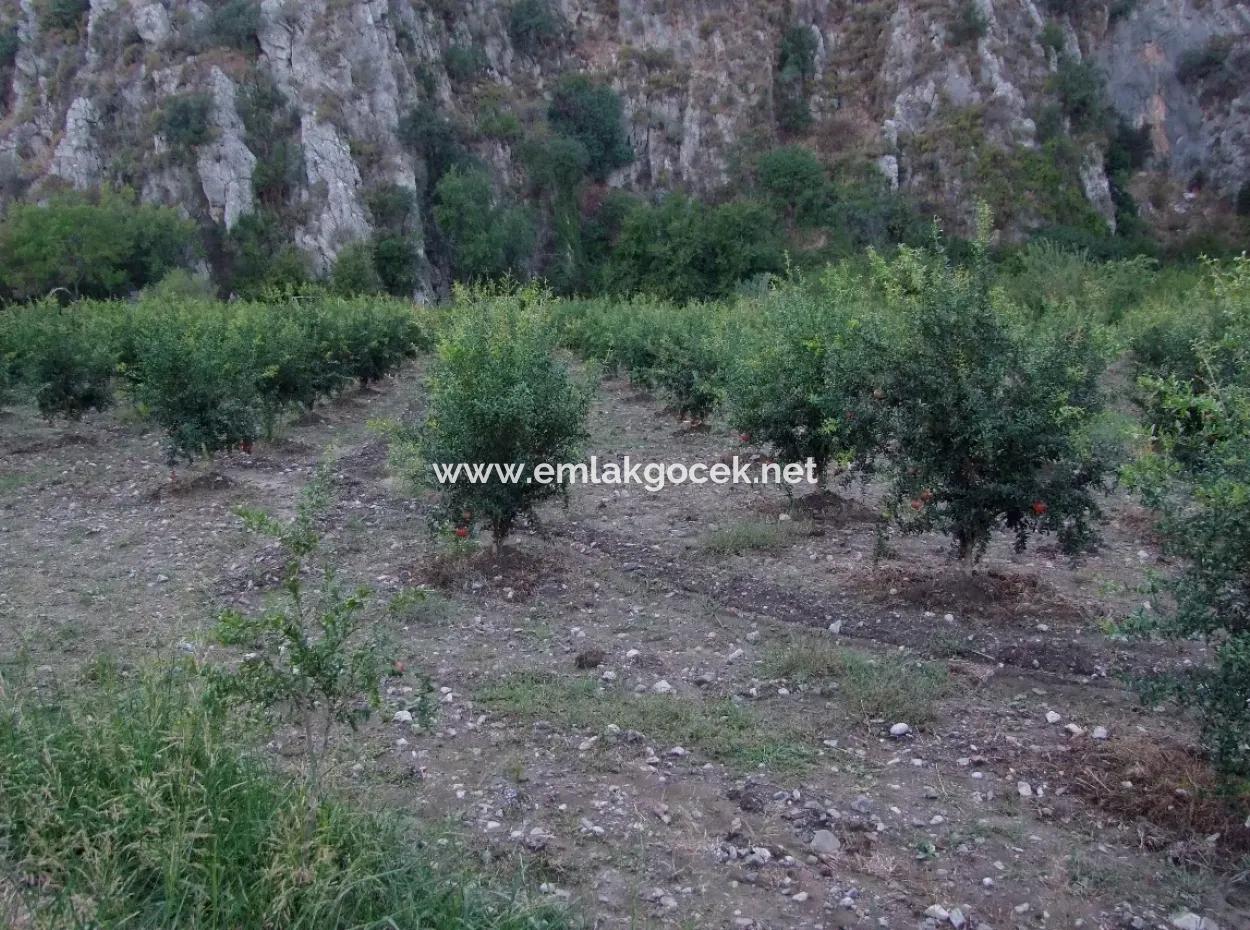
x: 876, y: 688
x: 721, y: 730
x: 749, y: 536
x: 133, y: 807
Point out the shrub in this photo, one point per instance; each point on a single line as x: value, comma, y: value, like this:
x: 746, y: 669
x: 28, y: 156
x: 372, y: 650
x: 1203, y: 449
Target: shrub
x: 354, y: 271
x: 392, y: 207
x: 802, y: 377
x: 397, y: 261
x: 796, y: 66
x: 1053, y: 37
x: 688, y: 359
x: 309, y: 662
x: 464, y: 62
x: 1199, y: 480
x: 62, y: 14
x: 260, y: 258
x: 535, y: 25
x: 184, y: 121
x: 795, y: 182
x: 556, y: 164
x: 198, y: 382
x: 1079, y: 87
x: 231, y: 23
x: 190, y: 829
x: 103, y: 245
x: 497, y: 394
x: 62, y: 354
x: 681, y: 249
x: 487, y: 238
x: 434, y: 138
x: 591, y: 112
x: 969, y: 25
x: 987, y: 417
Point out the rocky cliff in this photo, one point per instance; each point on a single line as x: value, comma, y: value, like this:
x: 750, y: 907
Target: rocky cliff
x: 946, y: 98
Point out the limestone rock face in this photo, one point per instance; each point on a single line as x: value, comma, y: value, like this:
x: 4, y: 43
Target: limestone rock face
x: 225, y: 164
x: 898, y: 85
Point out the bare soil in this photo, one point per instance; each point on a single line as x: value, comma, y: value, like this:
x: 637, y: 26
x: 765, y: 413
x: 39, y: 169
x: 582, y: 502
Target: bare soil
x: 553, y: 743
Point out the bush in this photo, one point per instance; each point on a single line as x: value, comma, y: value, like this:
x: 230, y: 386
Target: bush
x: 1199, y: 480
x: 191, y: 830
x: 198, y: 382
x: 231, y: 23
x: 796, y: 66
x: 354, y: 271
x: 795, y: 182
x: 487, y: 238
x: 556, y: 164
x: 104, y: 245
x: 464, y: 62
x: 969, y: 25
x: 1079, y: 87
x: 260, y: 258
x: 988, y: 418
x: 802, y: 376
x: 497, y: 394
x: 535, y: 25
x: 62, y: 14
x: 681, y: 249
x: 63, y: 355
x: 434, y: 138
x: 591, y: 113
x: 184, y: 121
x: 1204, y: 65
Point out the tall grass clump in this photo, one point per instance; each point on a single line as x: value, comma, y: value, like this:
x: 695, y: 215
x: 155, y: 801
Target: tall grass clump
x: 132, y: 806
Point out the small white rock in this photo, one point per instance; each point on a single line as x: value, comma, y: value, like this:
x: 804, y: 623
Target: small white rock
x: 662, y: 687
x: 1053, y: 717
x: 1100, y: 733
x: 899, y: 730
x: 402, y: 716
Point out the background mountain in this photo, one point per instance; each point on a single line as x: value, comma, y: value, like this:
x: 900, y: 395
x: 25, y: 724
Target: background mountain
x: 310, y: 125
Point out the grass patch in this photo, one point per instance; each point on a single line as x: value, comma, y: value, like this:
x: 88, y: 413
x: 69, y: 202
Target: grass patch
x: 14, y: 481
x: 721, y: 730
x: 749, y: 536
x: 876, y: 688
x: 130, y: 806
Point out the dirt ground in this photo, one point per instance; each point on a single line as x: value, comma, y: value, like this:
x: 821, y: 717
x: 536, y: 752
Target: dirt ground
x: 674, y: 709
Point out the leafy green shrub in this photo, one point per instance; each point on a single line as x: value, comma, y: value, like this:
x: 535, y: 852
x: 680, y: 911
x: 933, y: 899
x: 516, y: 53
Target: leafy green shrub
x: 354, y: 272
x: 396, y: 259
x: 1053, y: 37
x: 62, y: 15
x: 432, y: 136
x: 1197, y: 476
x: 465, y: 62
x: 497, y: 394
x: 591, y: 112
x: 184, y: 121
x: 555, y: 164
x: 190, y: 829
x: 969, y: 25
x: 796, y: 66
x: 681, y: 249
x: 488, y: 238
x: 102, y: 245
x: 310, y: 662
x: 62, y: 354
x: 260, y: 258
x: 802, y: 376
x: 688, y: 359
x: 198, y: 382
x: 232, y: 24
x: 988, y: 418
x: 1079, y: 87
x: 795, y: 182
x: 272, y: 126
x: 536, y: 25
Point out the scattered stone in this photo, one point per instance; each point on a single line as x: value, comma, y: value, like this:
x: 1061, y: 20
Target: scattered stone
x: 662, y: 687
x: 899, y: 730
x: 800, y: 897
x: 1024, y: 789
x: 753, y: 636
x: 1052, y: 717
x: 956, y: 918
x: 587, y: 744
x: 1188, y: 920
x: 1100, y: 733
x: 825, y: 843
x: 1074, y: 730
x: 937, y: 912
x: 836, y: 627
x: 402, y: 716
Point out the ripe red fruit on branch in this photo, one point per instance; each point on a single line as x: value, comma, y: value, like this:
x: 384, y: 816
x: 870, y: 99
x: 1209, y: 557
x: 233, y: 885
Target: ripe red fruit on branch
x: 745, y: 437
x: 917, y: 504
x: 462, y: 532
x: 1040, y: 508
